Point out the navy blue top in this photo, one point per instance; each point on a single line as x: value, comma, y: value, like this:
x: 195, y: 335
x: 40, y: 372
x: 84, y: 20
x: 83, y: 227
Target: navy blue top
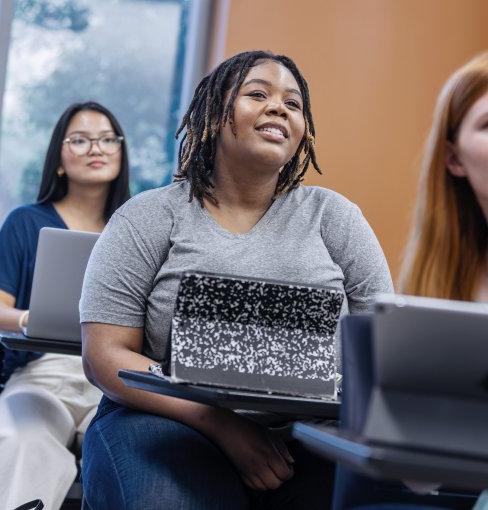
x: 18, y: 245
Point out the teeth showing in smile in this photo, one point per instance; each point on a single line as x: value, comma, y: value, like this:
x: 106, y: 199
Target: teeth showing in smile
x: 274, y: 131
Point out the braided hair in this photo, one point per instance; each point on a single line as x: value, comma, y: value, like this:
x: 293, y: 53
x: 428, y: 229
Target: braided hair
x: 208, y: 111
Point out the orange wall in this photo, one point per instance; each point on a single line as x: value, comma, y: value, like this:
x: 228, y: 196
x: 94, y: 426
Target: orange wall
x: 374, y: 68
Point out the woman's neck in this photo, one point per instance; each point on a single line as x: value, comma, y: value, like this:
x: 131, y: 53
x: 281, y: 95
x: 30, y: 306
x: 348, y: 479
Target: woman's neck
x: 238, y: 185
x: 239, y: 194
x: 243, y: 195
x: 83, y: 208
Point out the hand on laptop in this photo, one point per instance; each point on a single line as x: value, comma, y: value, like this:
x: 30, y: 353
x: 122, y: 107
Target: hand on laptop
x: 23, y: 320
x: 11, y: 318
x: 262, y: 460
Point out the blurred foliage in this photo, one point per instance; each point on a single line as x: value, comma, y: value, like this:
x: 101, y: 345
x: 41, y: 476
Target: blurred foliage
x: 31, y: 179
x: 97, y: 62
x: 54, y: 14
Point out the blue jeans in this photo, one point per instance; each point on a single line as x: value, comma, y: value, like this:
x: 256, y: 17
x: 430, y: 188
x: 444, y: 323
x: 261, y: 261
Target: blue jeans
x: 134, y: 460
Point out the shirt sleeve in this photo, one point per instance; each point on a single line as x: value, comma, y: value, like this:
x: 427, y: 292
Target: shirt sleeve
x: 120, y: 274
x: 11, y: 256
x: 355, y: 248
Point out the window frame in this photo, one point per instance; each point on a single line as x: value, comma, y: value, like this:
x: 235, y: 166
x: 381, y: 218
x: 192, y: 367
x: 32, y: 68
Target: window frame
x: 6, y: 17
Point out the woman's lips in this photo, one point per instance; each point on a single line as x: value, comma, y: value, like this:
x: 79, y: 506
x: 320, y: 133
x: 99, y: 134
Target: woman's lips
x: 273, y: 135
x: 96, y: 164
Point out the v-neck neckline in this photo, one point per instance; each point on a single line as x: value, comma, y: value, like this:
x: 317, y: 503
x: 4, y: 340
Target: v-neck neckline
x: 60, y: 218
x: 257, y: 227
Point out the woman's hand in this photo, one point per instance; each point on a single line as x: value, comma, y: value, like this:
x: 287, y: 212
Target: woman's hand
x: 23, y: 320
x: 261, y: 458
x: 11, y: 319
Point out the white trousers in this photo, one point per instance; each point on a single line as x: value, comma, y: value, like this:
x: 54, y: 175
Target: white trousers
x: 42, y: 408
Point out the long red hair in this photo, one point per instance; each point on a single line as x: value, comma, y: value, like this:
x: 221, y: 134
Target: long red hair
x: 448, y: 245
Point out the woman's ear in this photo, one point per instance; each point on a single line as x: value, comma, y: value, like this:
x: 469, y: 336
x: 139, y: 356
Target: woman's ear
x: 453, y: 163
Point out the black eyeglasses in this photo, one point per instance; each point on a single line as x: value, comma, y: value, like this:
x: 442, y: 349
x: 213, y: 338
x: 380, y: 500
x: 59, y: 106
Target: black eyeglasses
x: 81, y: 145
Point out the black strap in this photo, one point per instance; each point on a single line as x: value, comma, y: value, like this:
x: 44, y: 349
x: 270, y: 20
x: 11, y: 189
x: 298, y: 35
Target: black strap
x: 36, y: 504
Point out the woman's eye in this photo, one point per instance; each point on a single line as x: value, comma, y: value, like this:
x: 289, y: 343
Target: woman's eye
x: 78, y: 141
x: 294, y: 104
x: 258, y: 94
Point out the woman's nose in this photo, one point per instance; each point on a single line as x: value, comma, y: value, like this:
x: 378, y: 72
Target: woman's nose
x: 94, y: 147
x: 277, y: 108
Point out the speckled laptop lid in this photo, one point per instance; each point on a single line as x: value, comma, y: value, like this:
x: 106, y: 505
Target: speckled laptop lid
x: 256, y: 335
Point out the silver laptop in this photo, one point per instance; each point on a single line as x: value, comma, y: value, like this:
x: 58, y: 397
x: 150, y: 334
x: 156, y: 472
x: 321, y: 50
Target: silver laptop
x: 61, y: 259
x: 431, y: 361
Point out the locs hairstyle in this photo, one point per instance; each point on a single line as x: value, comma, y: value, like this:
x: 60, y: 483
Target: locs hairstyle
x: 208, y: 111
x: 54, y: 187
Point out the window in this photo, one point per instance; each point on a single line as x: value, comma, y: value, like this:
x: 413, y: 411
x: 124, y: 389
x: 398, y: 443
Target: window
x: 132, y: 56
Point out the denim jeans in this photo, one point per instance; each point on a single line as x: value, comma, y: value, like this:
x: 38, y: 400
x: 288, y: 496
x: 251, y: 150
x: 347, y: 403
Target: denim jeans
x: 134, y: 460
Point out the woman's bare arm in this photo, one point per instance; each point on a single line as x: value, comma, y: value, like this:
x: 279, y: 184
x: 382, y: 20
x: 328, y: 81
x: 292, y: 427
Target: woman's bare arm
x: 9, y: 315
x: 262, y: 461
x: 108, y: 348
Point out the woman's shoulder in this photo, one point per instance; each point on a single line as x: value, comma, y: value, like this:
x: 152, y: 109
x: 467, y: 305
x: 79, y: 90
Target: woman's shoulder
x: 155, y: 209
x: 30, y: 213
x: 154, y: 200
x: 328, y: 200
x: 22, y: 225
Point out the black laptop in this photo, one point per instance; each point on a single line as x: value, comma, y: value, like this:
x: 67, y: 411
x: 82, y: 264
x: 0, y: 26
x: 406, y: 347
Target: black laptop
x: 249, y: 343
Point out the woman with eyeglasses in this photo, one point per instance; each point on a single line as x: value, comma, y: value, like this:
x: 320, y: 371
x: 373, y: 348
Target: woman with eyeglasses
x: 47, y: 399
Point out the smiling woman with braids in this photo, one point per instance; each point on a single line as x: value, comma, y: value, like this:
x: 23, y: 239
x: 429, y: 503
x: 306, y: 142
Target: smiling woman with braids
x: 209, y: 110
x: 237, y: 207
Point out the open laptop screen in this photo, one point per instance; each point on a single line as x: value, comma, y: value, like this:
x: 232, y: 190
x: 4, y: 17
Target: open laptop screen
x: 61, y: 259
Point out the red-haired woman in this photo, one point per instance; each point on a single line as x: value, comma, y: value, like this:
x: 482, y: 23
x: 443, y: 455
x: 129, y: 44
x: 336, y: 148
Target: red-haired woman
x: 447, y: 255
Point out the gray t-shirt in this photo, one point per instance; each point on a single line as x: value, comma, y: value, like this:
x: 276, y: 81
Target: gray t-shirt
x: 311, y: 235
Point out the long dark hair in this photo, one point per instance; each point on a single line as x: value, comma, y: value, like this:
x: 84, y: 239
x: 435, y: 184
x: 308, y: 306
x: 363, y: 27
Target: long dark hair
x: 54, y: 187
x: 208, y: 111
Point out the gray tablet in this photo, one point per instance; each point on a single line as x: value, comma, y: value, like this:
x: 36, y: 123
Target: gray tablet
x: 431, y: 375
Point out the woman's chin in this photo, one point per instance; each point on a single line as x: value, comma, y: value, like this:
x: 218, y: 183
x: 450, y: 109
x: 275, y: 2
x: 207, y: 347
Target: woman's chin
x: 101, y: 177
x: 271, y: 158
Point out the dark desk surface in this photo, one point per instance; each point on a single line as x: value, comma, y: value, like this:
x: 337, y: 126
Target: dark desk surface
x: 232, y: 399
x: 393, y: 462
x: 20, y: 342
